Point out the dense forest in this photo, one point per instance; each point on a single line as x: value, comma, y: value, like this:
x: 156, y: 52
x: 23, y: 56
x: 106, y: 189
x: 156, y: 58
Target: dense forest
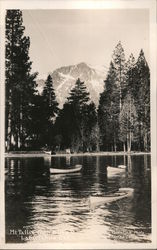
x: 121, y: 122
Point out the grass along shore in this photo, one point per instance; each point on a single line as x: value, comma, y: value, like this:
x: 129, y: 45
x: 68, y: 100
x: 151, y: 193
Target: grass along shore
x: 42, y: 154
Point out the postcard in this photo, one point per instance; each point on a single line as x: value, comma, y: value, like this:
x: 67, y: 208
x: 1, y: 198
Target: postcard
x: 78, y: 125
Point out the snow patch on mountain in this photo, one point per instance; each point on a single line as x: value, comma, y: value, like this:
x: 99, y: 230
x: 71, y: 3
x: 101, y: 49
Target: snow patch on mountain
x: 64, y: 79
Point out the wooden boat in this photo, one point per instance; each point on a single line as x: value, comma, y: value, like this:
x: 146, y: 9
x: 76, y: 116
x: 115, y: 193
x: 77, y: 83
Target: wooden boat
x: 111, y: 171
x: 120, y: 194
x: 75, y: 169
x: 47, y: 152
x: 122, y: 166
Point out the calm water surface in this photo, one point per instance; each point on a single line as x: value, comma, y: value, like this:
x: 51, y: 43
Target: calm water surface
x: 55, y: 208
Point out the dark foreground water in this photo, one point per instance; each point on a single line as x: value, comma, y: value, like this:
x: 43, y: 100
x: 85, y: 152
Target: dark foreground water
x: 55, y: 208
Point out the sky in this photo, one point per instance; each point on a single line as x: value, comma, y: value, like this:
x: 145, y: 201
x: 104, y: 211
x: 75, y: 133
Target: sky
x: 66, y: 37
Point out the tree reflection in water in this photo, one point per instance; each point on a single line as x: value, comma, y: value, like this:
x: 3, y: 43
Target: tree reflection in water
x: 56, y: 207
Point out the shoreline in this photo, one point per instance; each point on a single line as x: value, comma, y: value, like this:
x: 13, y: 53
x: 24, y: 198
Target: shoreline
x: 42, y: 154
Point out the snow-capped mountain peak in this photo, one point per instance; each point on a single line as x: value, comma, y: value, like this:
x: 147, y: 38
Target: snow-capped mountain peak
x: 64, y: 79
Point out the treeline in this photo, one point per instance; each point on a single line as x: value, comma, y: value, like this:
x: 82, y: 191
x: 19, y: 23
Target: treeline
x: 124, y: 106
x: 34, y: 121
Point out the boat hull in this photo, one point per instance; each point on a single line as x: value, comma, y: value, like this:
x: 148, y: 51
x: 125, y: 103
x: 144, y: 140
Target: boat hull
x: 47, y: 152
x: 122, y: 166
x: 121, y: 194
x: 112, y: 171
x: 77, y: 168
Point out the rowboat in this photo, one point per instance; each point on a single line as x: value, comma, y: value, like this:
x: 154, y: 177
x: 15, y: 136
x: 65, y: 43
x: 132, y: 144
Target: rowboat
x: 120, y: 194
x: 122, y: 166
x: 75, y: 169
x: 47, y: 152
x: 111, y: 171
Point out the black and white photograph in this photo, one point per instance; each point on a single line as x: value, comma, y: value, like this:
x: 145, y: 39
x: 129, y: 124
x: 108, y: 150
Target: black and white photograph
x: 79, y: 117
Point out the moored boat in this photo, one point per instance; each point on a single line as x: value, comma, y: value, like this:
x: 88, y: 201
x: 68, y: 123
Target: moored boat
x: 111, y: 171
x: 122, y: 166
x: 120, y: 194
x: 74, y: 169
x: 47, y: 152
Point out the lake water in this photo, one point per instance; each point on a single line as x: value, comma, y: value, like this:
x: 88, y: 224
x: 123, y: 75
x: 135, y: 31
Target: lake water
x: 55, y: 208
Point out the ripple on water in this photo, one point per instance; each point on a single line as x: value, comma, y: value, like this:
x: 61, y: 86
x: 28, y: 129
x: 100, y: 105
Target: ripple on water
x: 57, y: 209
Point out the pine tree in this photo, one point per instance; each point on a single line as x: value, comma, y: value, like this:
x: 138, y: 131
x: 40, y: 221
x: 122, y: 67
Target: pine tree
x: 78, y: 99
x: 90, y: 138
x: 138, y: 89
x: 79, y: 95
x: 49, y: 98
x: 20, y: 83
x: 119, y: 65
x: 36, y: 127
x: 128, y: 122
x: 124, y: 105
x: 130, y: 75
x: 77, y: 121
x: 128, y: 112
x: 64, y: 125
x: 108, y: 111
x: 142, y: 97
x: 50, y: 106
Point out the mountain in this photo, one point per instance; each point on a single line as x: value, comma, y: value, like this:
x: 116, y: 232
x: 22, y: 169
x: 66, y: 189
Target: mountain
x: 64, y: 79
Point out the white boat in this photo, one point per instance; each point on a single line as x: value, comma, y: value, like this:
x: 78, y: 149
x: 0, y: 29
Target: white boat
x: 120, y: 194
x: 47, y: 152
x: 122, y: 166
x: 75, y: 169
x: 111, y: 171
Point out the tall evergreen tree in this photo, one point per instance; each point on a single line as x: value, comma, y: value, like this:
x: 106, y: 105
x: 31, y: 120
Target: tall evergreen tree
x: 49, y: 98
x: 108, y: 111
x: 128, y: 122
x: 130, y: 75
x: 90, y: 134
x: 36, y: 127
x: 142, y: 97
x: 79, y: 95
x: 78, y: 99
x: 77, y: 121
x: 66, y: 125
x: 124, y: 105
x: 50, y: 106
x: 119, y: 65
x: 20, y: 83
